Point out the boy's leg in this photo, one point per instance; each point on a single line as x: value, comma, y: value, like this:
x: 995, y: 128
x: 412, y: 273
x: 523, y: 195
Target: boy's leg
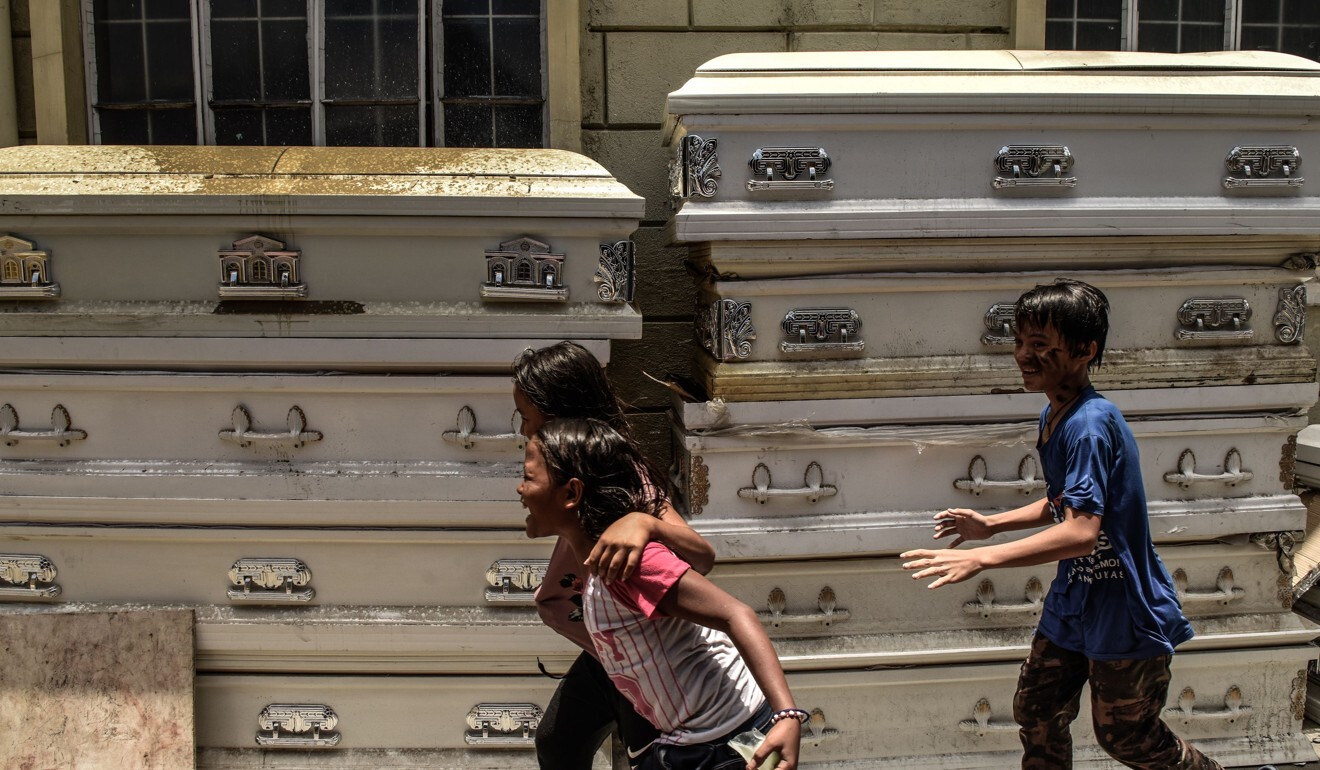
x: 577, y: 720
x: 1127, y: 697
x: 1047, y: 701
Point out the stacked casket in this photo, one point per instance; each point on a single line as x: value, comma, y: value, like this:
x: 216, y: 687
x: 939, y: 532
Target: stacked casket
x: 272, y: 385
x: 861, y: 225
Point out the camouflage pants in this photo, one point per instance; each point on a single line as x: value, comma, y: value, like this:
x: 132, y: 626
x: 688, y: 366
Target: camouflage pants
x: 1127, y: 697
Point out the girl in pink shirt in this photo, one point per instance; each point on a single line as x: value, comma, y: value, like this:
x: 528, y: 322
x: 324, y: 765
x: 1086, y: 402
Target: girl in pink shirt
x: 693, y: 660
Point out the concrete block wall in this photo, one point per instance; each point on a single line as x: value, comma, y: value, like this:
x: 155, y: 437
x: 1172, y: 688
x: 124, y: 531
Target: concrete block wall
x: 634, y: 53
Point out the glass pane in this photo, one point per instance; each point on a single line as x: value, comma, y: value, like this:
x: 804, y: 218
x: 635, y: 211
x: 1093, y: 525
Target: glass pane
x: 384, y: 126
x: 1110, y: 10
x: 289, y: 126
x: 275, y: 126
x: 169, y: 61
x: 1059, y: 36
x: 1203, y: 10
x: 467, y: 57
x: 1301, y: 12
x: 1302, y: 41
x: 274, y: 8
x: 235, y: 68
x: 526, y: 7
x: 1099, y: 36
x: 1159, y: 10
x: 1201, y: 37
x: 518, y: 63
x: 468, y: 125
x: 1056, y: 8
x: 1084, y: 25
x: 518, y: 126
x: 173, y: 127
x: 167, y: 9
x: 114, y: 10
x: 372, y: 57
x: 123, y: 126
x: 229, y: 9
x: 284, y: 46
x: 121, y: 63
x: 1261, y: 11
x: 238, y: 126
x: 451, y: 7
x: 1158, y: 37
x: 1260, y: 38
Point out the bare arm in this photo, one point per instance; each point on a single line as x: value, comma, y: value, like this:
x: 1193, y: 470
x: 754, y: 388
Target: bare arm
x: 695, y: 599
x: 619, y: 550
x: 971, y: 525
x: 1075, y: 536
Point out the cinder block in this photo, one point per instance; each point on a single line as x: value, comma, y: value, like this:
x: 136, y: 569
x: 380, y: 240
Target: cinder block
x: 664, y: 287
x: 942, y: 13
x: 780, y: 13
x: 645, y: 66
x: 631, y: 13
x: 878, y: 41
x: 593, y: 78
x: 637, y: 159
x: 651, y: 429
x: 665, y: 350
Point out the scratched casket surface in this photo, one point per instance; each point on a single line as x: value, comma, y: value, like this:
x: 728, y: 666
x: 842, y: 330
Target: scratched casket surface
x: 272, y: 386
x: 860, y: 225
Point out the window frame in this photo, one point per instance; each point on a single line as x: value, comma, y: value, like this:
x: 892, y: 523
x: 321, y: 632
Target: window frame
x: 1130, y: 19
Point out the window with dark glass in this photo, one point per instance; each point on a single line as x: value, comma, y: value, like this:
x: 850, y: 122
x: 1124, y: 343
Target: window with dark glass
x: 260, y: 84
x: 492, y: 73
x: 144, y: 64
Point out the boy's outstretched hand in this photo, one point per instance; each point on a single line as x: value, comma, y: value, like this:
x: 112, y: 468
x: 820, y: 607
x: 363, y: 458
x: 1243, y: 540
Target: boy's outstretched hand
x: 950, y: 566
x: 784, y: 737
x: 963, y: 522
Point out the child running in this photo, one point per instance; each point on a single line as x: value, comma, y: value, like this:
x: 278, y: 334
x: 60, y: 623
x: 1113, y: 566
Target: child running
x: 693, y: 660
x: 566, y: 380
x: 1112, y: 618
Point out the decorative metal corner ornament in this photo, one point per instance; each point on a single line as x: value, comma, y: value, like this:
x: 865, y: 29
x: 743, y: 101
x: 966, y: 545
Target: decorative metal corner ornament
x: 1290, y: 318
x: 790, y: 164
x: 616, y: 276
x: 27, y: 576
x: 698, y: 485
x: 695, y: 169
x: 725, y: 329
x: 1214, y: 318
x: 515, y: 580
x: 270, y: 581
x: 25, y: 271
x: 298, y: 726
x: 502, y: 724
x: 296, y: 435
x: 833, y: 329
x: 60, y: 431
x: 1001, y: 323
x: 1029, y: 165
x: 257, y: 267
x: 1263, y: 166
x: 524, y: 270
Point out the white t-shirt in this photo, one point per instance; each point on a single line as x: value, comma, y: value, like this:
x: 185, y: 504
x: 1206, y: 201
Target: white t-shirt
x: 688, y: 680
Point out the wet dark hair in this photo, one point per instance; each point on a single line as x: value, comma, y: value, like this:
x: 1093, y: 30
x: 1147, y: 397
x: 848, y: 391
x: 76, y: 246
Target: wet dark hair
x: 608, y: 464
x: 566, y: 380
x: 1078, y: 311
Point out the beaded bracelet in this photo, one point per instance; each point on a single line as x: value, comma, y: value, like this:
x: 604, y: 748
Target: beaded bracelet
x: 798, y: 714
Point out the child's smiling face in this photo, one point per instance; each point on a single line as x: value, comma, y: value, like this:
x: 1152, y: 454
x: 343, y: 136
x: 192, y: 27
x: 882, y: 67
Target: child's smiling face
x: 545, y: 501
x: 1048, y: 363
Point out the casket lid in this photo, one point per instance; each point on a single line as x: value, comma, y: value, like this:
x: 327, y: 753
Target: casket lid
x: 314, y: 180
x: 1224, y: 82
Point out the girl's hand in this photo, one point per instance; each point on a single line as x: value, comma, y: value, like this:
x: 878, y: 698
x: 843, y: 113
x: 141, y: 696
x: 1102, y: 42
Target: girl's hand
x: 784, y: 737
x: 963, y: 522
x: 619, y: 550
x: 947, y: 566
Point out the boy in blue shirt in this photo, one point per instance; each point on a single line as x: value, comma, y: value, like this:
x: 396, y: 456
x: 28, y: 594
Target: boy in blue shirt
x: 1112, y: 617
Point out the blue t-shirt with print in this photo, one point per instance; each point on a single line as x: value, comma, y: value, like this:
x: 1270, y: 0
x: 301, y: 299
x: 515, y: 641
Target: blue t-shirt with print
x: 1118, y: 602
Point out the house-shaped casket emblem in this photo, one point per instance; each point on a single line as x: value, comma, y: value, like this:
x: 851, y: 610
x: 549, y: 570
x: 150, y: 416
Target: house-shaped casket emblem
x: 25, y: 271
x: 257, y: 267
x: 524, y: 269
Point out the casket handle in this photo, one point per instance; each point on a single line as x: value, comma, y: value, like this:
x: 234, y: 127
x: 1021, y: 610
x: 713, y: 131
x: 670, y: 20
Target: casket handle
x: 60, y: 431
x: 1186, y: 474
x: 298, y: 725
x: 985, y: 604
x: 27, y: 576
x: 982, y: 722
x: 815, y: 731
x: 466, y: 435
x: 502, y: 724
x: 828, y: 615
x: 514, y: 581
x: 296, y: 435
x: 813, y: 487
x: 1257, y: 165
x: 976, y: 482
x: 270, y: 580
x: 1186, y: 712
x: 1225, y: 592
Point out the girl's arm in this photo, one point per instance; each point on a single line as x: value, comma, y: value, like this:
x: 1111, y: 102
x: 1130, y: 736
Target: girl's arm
x: 619, y: 550
x: 695, y: 599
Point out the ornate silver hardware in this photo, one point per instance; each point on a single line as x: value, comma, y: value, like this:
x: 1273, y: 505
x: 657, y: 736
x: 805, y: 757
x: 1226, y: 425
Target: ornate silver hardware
x: 524, y: 269
x: 1214, y: 318
x: 257, y: 267
x: 60, y: 431
x: 816, y: 731
x: 298, y: 726
x: 1290, y: 318
x: 790, y: 163
x: 830, y: 613
x: 986, y: 606
x: 502, y: 724
x: 515, y: 580
x: 1225, y: 592
x: 698, y: 485
x: 821, y: 328
x: 1001, y: 322
x: 981, y: 721
x: 725, y: 329
x: 1256, y: 166
x: 1187, y: 712
x: 1284, y: 545
x: 976, y: 482
x: 1297, y: 696
x: 270, y: 581
x: 696, y: 168
x: 616, y: 274
x: 1026, y: 163
x: 296, y: 436
x: 466, y: 436
x: 27, y: 576
x: 812, y: 488
x: 1186, y: 474
x: 25, y: 271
